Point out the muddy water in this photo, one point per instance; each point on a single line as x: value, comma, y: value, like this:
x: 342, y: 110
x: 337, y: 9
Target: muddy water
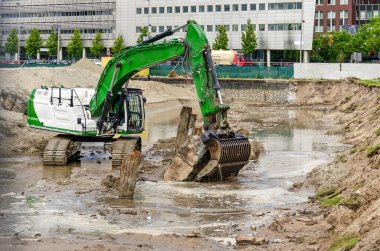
x: 42, y: 200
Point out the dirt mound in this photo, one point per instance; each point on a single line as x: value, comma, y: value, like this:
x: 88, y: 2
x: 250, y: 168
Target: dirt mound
x: 26, y: 79
x: 88, y: 65
x: 17, y: 138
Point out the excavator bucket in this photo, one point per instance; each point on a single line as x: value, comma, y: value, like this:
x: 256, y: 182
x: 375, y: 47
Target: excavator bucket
x: 210, y: 156
x: 228, y: 154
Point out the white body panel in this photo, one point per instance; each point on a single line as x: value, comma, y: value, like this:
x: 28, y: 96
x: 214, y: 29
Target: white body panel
x: 60, y: 114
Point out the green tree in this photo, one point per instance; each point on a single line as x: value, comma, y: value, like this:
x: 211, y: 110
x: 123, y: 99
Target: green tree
x: 336, y: 47
x: 221, y: 40
x: 367, y: 39
x: 118, y: 45
x: 11, y: 46
x: 75, y: 46
x: 248, y: 39
x: 144, y: 33
x: 33, y: 43
x: 97, y: 45
x: 52, y: 43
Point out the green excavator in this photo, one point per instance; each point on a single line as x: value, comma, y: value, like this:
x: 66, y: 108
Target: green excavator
x: 84, y: 114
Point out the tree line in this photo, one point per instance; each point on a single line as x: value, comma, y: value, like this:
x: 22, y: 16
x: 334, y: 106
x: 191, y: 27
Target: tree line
x: 34, y: 42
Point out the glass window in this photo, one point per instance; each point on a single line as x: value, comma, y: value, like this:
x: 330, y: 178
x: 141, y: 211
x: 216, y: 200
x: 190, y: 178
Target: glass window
x: 168, y: 27
x: 169, y: 9
x: 331, y: 21
x: 201, y: 8
x: 227, y: 7
x: 185, y: 9
x: 154, y: 28
x: 154, y: 10
x: 209, y: 28
x: 299, y: 5
x: 162, y: 9
x: 210, y: 8
x: 235, y: 27
x: 146, y: 10
x: 235, y: 7
x: 193, y: 8
x: 331, y: 2
x: 261, y: 27
x: 161, y: 28
x: 261, y: 6
x: 177, y: 9
x: 343, y: 18
x: 138, y: 10
x: 244, y: 7
x: 252, y: 6
x: 271, y: 6
x: 202, y: 27
x: 218, y: 8
x: 138, y: 29
x: 227, y: 26
x: 243, y: 27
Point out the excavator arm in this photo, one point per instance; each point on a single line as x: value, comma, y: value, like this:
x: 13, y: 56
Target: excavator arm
x: 197, y: 53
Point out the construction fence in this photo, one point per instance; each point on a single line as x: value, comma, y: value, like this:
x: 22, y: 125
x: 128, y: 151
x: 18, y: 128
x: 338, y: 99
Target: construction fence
x: 256, y: 72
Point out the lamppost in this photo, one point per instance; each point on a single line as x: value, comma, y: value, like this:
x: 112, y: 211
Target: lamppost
x: 19, y: 32
x: 301, y: 42
x: 58, y: 31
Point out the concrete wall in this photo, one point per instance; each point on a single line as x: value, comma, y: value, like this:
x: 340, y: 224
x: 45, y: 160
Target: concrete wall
x: 336, y: 71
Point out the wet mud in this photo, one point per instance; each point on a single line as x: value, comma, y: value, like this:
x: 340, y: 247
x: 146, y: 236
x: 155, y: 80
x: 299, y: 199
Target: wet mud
x: 40, y: 204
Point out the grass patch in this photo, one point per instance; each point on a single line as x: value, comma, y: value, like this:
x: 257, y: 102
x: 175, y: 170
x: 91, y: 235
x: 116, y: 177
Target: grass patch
x: 353, y: 150
x: 329, y: 202
x: 324, y: 192
x: 348, y: 98
x: 377, y: 132
x: 372, y: 150
x: 371, y: 83
x: 31, y: 200
x: 346, y: 242
x: 351, y: 203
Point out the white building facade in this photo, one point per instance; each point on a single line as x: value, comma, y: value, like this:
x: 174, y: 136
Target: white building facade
x: 88, y: 16
x: 277, y: 23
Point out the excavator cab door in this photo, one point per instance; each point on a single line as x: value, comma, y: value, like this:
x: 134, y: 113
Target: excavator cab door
x: 134, y: 111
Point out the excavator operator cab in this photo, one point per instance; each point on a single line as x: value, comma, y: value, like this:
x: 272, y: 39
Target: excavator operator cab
x: 134, y: 110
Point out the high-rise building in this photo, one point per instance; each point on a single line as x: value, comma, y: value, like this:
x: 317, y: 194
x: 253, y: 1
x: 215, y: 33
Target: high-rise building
x: 88, y: 16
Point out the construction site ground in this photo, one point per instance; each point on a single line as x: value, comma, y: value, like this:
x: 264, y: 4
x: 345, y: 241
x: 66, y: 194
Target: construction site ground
x: 315, y: 186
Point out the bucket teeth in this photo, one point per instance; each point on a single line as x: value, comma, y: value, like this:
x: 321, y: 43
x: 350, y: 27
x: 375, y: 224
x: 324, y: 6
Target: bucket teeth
x: 229, y: 152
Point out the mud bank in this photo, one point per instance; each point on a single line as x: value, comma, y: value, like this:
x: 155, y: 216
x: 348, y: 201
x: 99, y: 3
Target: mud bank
x: 344, y: 213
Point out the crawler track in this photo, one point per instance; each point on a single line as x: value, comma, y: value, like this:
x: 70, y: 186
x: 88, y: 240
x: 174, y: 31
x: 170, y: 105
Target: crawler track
x: 123, y: 146
x: 58, y: 151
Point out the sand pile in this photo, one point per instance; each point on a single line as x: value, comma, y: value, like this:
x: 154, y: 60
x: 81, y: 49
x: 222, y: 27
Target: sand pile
x: 30, y: 78
x: 156, y: 92
x: 84, y: 73
x: 88, y: 65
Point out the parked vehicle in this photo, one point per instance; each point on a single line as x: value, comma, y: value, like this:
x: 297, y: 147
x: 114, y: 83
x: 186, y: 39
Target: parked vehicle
x: 231, y: 57
x: 96, y: 61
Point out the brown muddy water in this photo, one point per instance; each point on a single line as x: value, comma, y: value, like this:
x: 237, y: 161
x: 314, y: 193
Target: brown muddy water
x: 45, y: 200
